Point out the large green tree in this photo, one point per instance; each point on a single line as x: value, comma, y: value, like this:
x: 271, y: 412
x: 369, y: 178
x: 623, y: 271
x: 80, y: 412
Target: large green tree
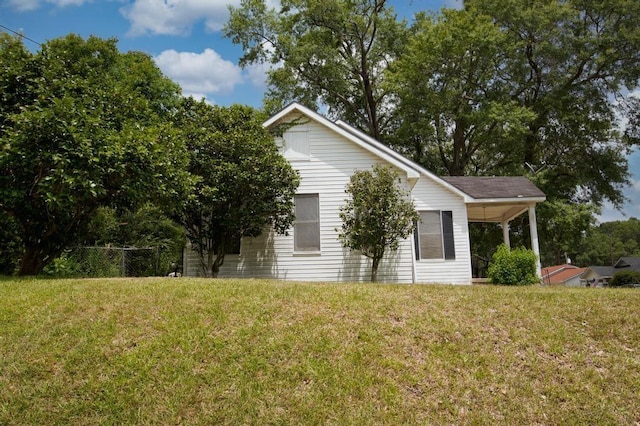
x: 532, y: 88
x: 377, y: 214
x: 331, y: 52
x: 572, y: 65
x: 82, y: 126
x: 244, y: 184
x: 454, y: 109
x: 609, y: 241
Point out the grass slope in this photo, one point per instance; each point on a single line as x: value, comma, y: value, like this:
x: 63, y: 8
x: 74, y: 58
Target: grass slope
x: 187, y: 351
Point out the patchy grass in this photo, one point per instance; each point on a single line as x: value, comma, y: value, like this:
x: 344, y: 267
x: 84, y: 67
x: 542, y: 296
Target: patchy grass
x: 195, y: 351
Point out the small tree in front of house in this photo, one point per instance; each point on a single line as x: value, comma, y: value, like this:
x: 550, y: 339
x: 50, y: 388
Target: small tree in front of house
x: 378, y: 214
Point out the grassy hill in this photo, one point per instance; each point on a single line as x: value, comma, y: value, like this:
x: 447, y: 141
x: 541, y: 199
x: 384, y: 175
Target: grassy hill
x: 195, y: 351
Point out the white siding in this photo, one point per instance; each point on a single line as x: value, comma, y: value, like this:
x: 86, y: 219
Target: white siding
x: 429, y: 195
x: 332, y: 160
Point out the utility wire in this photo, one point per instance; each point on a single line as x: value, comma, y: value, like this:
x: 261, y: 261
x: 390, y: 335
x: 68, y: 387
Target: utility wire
x: 20, y: 35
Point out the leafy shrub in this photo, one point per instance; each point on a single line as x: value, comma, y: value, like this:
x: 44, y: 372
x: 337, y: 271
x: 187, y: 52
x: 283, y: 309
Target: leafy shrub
x: 66, y: 265
x: 621, y: 278
x: 513, y: 266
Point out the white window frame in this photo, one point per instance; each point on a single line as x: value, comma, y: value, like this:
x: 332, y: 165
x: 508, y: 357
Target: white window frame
x: 298, y: 247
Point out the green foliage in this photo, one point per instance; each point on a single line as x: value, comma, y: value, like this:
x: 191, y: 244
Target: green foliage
x: 563, y: 225
x: 377, y: 214
x: 609, y: 241
x: 244, y: 184
x: 331, y: 52
x: 513, y: 266
x: 622, y: 278
x: 11, y: 248
x: 146, y: 227
x: 572, y: 64
x: 84, y: 126
x: 457, y: 119
x: 65, y: 265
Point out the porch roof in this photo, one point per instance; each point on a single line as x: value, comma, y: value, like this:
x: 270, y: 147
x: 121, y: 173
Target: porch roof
x: 496, y: 198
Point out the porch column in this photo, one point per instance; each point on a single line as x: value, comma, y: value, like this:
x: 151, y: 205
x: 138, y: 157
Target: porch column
x: 505, y: 234
x: 533, y: 227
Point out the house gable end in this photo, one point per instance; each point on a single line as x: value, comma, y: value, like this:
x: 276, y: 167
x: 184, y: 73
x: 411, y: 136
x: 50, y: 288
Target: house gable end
x: 379, y: 150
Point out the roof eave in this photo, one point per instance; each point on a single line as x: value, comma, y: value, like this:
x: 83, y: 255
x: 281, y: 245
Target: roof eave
x: 520, y: 200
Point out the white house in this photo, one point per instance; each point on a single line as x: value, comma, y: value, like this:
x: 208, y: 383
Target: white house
x: 326, y: 154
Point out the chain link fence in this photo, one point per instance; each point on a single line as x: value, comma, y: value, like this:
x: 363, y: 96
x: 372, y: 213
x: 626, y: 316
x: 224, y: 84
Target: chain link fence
x: 115, y: 262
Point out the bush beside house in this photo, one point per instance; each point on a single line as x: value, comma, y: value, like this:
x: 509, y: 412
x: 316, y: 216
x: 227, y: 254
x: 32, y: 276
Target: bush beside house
x: 622, y: 278
x: 513, y: 266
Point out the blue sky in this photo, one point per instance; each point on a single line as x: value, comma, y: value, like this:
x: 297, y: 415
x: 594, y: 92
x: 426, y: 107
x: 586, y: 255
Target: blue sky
x: 183, y: 37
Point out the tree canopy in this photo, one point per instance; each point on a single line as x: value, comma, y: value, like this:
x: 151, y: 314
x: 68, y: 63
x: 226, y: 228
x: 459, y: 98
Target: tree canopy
x: 608, y: 242
x: 333, y: 52
x: 81, y: 126
x: 243, y: 183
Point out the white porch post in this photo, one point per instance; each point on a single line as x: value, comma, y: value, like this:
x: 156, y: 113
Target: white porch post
x: 533, y: 227
x: 505, y: 234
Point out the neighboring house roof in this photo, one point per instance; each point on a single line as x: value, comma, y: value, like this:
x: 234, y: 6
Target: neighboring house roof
x: 491, y: 187
x: 602, y: 271
x: 560, y: 274
x: 632, y: 263
x: 550, y: 270
x: 564, y: 275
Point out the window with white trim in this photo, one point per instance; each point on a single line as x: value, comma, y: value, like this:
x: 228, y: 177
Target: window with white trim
x: 306, y: 230
x: 434, y: 235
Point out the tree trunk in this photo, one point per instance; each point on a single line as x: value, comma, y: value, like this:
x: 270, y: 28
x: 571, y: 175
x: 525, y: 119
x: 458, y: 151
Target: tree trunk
x: 32, y: 263
x: 215, y: 267
x: 374, y: 269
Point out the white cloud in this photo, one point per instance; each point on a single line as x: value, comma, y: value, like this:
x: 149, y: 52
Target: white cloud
x: 175, y: 17
x: 200, y: 74
x: 257, y: 74
x: 23, y: 5
x: 27, y: 5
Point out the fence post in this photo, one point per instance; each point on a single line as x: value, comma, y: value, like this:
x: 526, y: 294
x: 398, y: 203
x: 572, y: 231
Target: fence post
x: 124, y: 263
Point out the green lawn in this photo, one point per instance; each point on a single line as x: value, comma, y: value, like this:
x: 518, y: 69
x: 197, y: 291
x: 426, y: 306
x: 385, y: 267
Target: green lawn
x: 196, y: 351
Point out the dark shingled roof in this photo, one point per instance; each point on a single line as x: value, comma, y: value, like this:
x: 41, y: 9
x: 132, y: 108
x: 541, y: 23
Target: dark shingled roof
x: 495, y: 186
x: 604, y: 271
x: 632, y: 263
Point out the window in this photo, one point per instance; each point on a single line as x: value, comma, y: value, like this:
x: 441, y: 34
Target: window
x: 434, y: 235
x: 295, y: 145
x: 233, y: 246
x: 306, y: 231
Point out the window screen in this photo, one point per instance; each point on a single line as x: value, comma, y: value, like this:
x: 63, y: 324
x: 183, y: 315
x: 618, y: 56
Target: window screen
x: 296, y: 145
x: 434, y: 235
x: 430, y: 233
x: 306, y: 232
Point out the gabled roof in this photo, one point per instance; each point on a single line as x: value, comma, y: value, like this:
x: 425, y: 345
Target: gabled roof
x: 564, y: 275
x: 412, y: 169
x: 632, y: 263
x: 602, y: 271
x: 552, y: 270
x: 473, y: 189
